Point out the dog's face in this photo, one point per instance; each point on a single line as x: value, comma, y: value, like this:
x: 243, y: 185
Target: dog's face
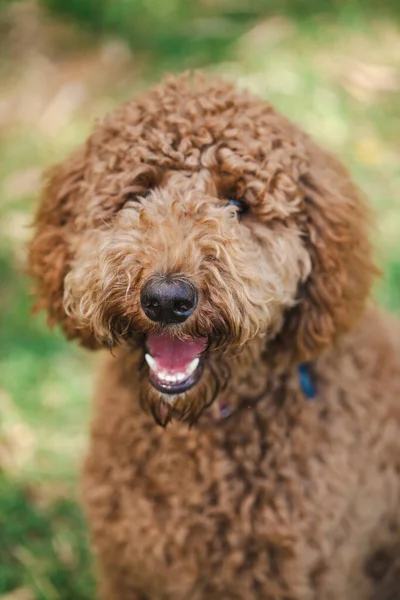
x: 187, y: 269
x: 189, y: 227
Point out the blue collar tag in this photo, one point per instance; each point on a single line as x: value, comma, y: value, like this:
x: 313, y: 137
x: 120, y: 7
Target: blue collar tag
x: 307, y: 382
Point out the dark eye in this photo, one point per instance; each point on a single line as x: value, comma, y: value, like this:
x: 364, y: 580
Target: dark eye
x: 241, y: 205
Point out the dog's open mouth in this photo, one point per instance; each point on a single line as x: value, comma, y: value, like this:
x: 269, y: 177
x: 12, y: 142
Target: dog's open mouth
x: 174, y: 365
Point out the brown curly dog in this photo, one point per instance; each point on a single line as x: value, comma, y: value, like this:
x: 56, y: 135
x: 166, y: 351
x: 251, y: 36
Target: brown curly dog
x: 225, y: 259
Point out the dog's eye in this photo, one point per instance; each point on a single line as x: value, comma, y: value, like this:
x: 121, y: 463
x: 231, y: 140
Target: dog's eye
x: 241, y: 205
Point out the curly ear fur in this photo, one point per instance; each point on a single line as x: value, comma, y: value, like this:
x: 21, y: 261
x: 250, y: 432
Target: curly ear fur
x: 57, y: 219
x: 335, y: 222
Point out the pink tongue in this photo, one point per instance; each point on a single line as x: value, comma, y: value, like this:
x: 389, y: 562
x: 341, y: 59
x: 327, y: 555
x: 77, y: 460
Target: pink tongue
x: 173, y: 354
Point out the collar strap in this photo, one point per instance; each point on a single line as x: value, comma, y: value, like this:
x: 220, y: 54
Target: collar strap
x: 307, y: 381
x: 307, y: 385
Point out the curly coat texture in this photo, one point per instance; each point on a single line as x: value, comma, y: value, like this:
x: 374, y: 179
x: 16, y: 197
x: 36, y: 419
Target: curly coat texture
x: 285, y: 499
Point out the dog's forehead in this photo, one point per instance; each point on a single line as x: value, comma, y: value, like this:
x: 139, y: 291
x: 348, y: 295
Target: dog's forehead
x: 204, y: 127
x: 214, y: 140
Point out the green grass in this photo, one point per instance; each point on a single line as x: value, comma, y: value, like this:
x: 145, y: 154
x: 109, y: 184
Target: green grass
x: 337, y: 76
x: 42, y: 551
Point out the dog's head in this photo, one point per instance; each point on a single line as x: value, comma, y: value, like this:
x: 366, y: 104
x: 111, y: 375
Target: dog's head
x: 202, y: 227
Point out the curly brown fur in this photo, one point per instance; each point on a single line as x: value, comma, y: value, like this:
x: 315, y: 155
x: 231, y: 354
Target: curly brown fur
x: 285, y: 499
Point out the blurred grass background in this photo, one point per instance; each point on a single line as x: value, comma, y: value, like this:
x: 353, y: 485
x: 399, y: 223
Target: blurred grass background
x: 334, y: 67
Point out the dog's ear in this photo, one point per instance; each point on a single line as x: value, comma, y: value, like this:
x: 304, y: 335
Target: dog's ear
x: 51, y: 249
x: 335, y: 225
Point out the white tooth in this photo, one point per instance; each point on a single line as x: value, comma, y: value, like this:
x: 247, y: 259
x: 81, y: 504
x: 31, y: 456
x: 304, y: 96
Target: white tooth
x: 151, y: 362
x: 192, y: 367
x: 171, y: 377
x: 176, y: 377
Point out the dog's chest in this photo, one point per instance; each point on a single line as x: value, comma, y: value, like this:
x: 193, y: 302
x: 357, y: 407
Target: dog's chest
x: 255, y: 506
x: 230, y: 507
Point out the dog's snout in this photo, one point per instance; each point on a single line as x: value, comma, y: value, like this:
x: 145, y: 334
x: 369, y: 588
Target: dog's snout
x: 168, y: 300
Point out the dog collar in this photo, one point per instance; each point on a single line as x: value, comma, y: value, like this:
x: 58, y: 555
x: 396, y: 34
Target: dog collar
x: 307, y: 382
x: 307, y: 386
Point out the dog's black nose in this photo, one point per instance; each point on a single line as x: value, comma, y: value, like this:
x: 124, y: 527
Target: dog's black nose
x: 168, y: 300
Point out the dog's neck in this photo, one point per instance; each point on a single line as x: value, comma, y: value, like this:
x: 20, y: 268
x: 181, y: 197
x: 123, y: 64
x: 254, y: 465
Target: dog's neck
x: 222, y: 408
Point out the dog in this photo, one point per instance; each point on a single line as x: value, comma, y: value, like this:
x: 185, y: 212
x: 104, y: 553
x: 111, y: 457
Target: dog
x: 245, y: 442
